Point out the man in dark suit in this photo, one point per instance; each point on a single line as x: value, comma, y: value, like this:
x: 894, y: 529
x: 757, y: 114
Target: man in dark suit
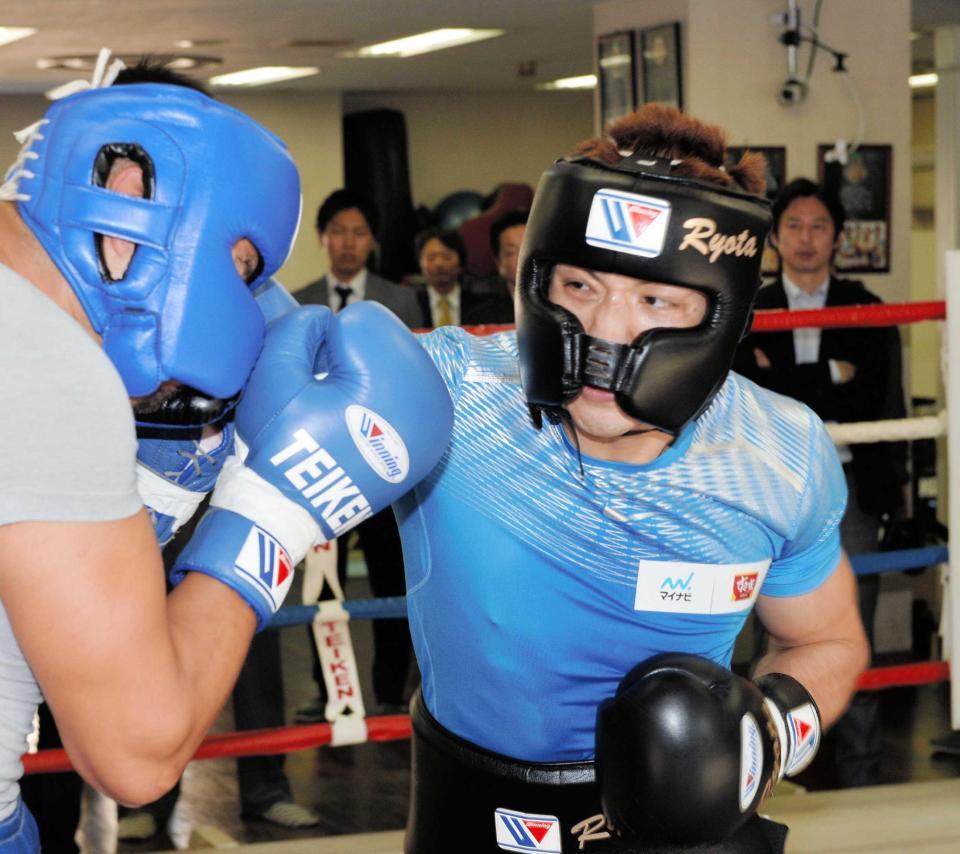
x: 844, y: 374
x: 446, y: 297
x: 506, y: 238
x: 347, y: 228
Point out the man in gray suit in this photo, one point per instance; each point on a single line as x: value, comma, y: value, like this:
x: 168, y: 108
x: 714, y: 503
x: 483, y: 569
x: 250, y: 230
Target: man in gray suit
x: 347, y: 227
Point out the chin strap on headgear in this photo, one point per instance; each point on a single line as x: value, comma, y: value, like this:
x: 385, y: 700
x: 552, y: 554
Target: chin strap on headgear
x: 634, y: 218
x: 181, y: 312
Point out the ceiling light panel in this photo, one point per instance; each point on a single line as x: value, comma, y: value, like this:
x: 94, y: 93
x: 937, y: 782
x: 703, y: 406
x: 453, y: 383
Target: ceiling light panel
x: 262, y: 76
x: 582, y: 81
x: 424, y: 42
x: 14, y: 34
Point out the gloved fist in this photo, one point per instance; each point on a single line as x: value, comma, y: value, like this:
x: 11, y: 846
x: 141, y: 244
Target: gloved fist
x: 687, y: 750
x: 317, y: 453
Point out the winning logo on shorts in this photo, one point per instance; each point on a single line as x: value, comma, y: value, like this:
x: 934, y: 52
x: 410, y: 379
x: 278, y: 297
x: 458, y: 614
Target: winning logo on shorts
x: 266, y: 564
x: 380, y: 444
x: 627, y: 222
x: 517, y: 831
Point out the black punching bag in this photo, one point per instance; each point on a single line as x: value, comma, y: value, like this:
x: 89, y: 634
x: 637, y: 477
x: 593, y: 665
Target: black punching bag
x: 375, y: 164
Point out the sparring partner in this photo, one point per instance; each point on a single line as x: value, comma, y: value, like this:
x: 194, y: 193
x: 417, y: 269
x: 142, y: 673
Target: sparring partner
x: 134, y: 224
x: 611, y: 507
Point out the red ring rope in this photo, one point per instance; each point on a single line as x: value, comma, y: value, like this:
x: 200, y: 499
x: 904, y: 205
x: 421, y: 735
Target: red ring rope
x: 264, y: 742
x: 768, y: 320
x: 922, y: 673
x: 885, y: 314
x: 253, y: 742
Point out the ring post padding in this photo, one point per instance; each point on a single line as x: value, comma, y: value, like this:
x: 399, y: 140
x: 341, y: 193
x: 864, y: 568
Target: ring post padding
x: 952, y: 380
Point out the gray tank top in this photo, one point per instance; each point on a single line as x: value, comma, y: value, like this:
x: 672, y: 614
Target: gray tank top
x: 67, y: 454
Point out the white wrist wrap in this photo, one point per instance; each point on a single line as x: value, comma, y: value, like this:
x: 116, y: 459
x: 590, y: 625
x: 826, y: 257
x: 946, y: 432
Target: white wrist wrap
x: 166, y: 498
x: 243, y: 491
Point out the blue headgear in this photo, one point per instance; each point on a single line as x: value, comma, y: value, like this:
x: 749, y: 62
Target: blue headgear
x: 211, y: 177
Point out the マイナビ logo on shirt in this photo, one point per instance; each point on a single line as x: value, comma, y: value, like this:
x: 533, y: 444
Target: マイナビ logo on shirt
x: 380, y: 444
x: 688, y: 587
x: 627, y: 222
x: 677, y: 589
x: 517, y: 831
x: 744, y: 585
x: 266, y: 564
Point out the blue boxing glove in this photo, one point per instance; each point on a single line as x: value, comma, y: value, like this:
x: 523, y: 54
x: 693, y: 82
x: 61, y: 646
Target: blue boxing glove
x: 174, y: 476
x: 319, y: 453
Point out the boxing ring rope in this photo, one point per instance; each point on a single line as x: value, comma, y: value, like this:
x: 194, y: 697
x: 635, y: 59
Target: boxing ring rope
x: 395, y: 727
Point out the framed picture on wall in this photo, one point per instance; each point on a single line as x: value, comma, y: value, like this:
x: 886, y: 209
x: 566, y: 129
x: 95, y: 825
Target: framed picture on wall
x: 615, y: 76
x: 863, y: 184
x: 659, y: 66
x: 776, y: 175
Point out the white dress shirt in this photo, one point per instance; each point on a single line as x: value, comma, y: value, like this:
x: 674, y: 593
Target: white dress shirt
x: 358, y: 284
x: 806, y: 342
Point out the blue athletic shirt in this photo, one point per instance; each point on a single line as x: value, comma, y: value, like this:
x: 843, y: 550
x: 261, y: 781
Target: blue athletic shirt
x: 532, y: 588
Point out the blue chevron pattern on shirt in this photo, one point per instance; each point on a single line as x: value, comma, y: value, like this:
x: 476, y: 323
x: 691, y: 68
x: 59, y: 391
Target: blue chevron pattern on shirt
x: 533, y: 588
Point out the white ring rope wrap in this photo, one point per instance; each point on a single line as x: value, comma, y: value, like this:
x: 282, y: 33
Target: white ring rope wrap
x: 891, y: 430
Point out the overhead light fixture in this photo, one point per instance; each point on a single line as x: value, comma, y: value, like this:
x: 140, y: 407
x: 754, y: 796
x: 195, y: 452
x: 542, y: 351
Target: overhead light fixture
x: 87, y: 62
x: 188, y: 44
x: 425, y: 42
x: 583, y: 81
x: 263, y: 75
x: 14, y: 34
x: 923, y: 81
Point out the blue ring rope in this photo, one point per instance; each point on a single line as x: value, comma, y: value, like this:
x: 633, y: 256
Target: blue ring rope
x: 395, y: 607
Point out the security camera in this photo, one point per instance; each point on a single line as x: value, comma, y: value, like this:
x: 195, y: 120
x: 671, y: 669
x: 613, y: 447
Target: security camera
x: 792, y: 92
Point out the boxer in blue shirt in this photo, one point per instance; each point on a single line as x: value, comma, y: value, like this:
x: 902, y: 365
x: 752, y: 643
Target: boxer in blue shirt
x: 613, y: 495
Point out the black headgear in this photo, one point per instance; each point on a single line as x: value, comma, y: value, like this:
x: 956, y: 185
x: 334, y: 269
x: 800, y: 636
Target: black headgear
x: 633, y: 218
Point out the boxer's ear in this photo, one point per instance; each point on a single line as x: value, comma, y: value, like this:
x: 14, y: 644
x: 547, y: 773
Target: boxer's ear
x: 125, y: 177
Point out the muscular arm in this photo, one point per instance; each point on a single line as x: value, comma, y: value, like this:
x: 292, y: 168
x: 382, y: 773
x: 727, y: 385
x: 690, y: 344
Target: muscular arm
x: 134, y: 678
x: 818, y: 639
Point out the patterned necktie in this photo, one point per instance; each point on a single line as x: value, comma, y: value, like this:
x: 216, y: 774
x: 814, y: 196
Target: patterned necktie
x: 344, y: 294
x: 444, y: 318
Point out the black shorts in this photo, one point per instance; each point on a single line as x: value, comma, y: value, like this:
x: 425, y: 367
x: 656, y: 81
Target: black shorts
x: 467, y: 799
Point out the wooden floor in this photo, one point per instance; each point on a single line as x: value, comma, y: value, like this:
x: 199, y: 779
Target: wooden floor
x: 361, y: 791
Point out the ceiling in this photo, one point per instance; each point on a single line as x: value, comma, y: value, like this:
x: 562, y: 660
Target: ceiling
x: 554, y: 36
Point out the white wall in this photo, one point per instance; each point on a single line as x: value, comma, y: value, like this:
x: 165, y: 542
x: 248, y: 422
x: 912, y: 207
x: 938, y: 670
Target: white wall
x: 474, y: 141
x: 733, y: 65
x: 17, y: 111
x: 310, y: 124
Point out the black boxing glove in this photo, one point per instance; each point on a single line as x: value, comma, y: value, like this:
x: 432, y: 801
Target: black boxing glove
x: 687, y: 750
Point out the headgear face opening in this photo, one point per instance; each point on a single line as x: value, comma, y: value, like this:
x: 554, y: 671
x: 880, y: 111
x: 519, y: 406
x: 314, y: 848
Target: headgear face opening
x: 181, y: 311
x: 633, y: 219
